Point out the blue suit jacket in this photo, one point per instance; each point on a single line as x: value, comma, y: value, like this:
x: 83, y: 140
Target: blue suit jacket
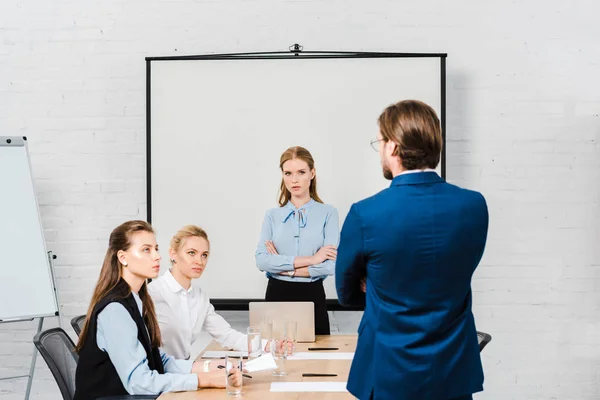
x: 418, y: 243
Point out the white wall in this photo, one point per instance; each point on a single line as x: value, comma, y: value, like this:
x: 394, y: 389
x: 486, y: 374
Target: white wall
x: 523, y: 127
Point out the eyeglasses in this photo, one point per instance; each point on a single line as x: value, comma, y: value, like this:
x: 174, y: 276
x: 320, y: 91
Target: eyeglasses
x: 375, y: 145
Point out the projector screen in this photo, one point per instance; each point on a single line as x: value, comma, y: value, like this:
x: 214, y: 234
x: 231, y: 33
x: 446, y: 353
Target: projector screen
x: 218, y: 125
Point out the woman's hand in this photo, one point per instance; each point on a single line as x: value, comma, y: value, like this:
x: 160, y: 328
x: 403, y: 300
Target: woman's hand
x: 363, y: 285
x: 213, y: 365
x: 272, y: 250
x: 235, y: 377
x: 280, y: 345
x: 325, y: 253
x: 214, y: 379
x: 271, y: 247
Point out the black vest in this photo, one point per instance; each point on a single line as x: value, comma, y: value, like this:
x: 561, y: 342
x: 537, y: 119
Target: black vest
x: 95, y: 375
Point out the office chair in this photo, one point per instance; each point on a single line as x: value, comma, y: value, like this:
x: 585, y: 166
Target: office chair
x: 58, y: 350
x: 483, y: 339
x: 77, y: 323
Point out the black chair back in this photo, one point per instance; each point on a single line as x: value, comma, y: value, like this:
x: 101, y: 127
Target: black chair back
x: 77, y: 323
x: 483, y: 339
x: 58, y: 350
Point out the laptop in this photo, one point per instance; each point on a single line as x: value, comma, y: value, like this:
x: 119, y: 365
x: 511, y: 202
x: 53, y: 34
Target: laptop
x: 302, y: 312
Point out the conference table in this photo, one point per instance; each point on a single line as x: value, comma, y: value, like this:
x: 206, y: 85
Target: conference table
x: 259, y: 386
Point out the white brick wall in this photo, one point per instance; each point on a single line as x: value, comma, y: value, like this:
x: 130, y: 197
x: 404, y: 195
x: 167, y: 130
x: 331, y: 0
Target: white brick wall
x: 523, y: 127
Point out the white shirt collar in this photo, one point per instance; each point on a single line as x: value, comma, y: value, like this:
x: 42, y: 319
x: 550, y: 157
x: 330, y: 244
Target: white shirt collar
x: 173, y: 285
x: 414, y: 171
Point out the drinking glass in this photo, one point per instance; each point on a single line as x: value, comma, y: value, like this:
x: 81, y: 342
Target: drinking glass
x: 254, y: 342
x: 290, y: 335
x: 233, y: 361
x: 279, y: 352
x: 266, y: 328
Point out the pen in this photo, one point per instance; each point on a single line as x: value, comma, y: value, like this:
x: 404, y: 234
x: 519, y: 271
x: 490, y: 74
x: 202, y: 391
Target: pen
x: 322, y: 348
x: 316, y: 375
x: 222, y: 358
x: 222, y: 366
x: 244, y: 375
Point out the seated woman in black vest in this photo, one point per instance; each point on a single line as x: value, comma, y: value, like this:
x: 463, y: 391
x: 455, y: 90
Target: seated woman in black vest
x: 119, y: 344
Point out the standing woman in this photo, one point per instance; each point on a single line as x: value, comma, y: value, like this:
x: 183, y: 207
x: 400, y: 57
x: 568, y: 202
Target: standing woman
x: 119, y: 344
x: 298, y: 241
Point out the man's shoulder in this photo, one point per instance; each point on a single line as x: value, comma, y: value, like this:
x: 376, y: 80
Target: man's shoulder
x: 389, y: 194
x: 375, y: 199
x: 465, y: 194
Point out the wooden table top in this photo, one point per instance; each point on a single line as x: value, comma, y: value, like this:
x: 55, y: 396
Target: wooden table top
x: 259, y: 387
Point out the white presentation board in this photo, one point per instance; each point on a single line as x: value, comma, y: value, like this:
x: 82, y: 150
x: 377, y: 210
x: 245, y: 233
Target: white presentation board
x: 26, y: 282
x: 217, y: 127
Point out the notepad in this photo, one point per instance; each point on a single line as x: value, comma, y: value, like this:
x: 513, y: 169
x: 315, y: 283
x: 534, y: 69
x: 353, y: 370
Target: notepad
x: 262, y: 363
x: 321, y: 356
x: 308, y: 387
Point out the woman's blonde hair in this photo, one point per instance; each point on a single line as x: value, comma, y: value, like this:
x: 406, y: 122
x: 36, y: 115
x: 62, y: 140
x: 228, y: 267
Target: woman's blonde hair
x: 186, y: 232
x: 304, y: 155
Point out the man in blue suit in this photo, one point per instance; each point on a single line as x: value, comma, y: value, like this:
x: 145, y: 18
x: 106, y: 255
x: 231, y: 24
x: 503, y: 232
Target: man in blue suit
x: 417, y: 244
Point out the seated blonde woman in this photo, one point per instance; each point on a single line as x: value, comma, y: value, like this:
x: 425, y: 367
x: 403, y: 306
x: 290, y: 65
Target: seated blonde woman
x: 119, y: 345
x: 183, y: 311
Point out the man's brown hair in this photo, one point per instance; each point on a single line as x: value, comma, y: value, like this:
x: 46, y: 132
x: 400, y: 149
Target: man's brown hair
x: 415, y: 128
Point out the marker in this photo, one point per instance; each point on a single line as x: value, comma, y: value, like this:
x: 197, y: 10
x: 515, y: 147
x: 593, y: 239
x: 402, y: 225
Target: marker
x: 322, y: 348
x: 222, y: 366
x: 244, y: 375
x: 309, y: 375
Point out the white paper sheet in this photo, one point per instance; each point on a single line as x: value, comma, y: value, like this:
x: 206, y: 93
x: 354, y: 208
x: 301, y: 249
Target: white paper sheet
x: 262, y: 363
x: 221, y: 354
x: 308, y: 386
x: 313, y: 355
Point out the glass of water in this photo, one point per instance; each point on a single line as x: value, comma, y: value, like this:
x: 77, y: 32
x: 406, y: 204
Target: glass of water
x: 291, y: 336
x: 254, y: 342
x: 266, y: 328
x: 279, y: 351
x: 231, y: 362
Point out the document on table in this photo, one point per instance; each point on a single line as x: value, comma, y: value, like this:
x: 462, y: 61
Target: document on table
x: 262, y: 363
x: 222, y: 354
x: 311, y: 355
x: 308, y: 387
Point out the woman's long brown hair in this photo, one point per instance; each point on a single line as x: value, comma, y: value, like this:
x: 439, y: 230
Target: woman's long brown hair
x: 304, y: 155
x: 111, y: 275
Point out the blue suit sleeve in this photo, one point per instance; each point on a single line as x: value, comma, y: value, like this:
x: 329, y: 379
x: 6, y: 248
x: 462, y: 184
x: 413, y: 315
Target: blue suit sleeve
x: 265, y: 261
x: 350, y: 266
x: 332, y: 238
x: 485, y: 218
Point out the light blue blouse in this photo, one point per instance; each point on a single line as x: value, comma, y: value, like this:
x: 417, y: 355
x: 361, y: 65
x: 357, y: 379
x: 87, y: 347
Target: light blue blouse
x: 298, y: 232
x: 117, y: 335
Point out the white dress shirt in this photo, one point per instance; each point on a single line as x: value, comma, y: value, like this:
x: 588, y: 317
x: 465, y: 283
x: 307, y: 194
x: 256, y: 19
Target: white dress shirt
x: 184, y: 313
